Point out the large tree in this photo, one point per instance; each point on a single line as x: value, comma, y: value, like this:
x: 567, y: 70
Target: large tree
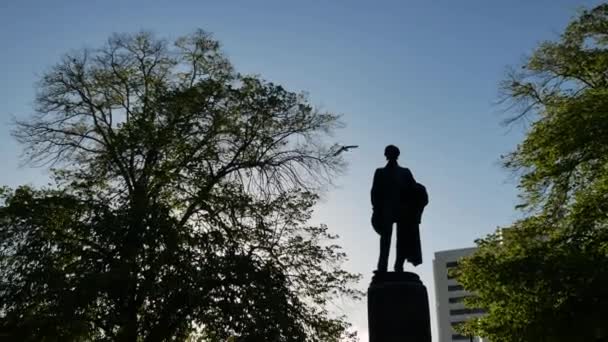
x: 181, y: 199
x: 545, y: 278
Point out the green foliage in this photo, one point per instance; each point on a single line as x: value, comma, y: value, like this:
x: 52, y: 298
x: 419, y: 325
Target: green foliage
x: 181, y: 205
x: 544, y: 278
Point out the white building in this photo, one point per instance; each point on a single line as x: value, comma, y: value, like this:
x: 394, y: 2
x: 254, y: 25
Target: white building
x: 449, y: 295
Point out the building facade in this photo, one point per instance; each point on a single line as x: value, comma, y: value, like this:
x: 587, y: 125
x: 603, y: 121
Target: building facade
x: 449, y: 297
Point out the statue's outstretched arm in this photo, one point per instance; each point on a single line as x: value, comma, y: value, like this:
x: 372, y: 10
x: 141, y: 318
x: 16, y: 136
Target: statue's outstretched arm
x: 376, y: 190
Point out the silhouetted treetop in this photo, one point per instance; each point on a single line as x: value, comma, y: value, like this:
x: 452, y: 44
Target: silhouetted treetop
x: 183, y: 191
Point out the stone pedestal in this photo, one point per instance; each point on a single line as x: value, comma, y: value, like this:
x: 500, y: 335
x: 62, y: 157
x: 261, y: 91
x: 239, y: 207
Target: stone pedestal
x: 398, y: 308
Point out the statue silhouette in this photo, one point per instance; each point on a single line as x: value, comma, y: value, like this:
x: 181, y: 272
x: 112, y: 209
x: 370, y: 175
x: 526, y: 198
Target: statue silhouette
x: 397, y: 198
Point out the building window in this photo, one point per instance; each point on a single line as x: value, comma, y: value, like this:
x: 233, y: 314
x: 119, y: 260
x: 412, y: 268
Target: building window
x: 457, y: 299
x: 465, y: 311
x: 451, y: 264
x: 455, y: 287
x: 458, y: 337
x: 455, y: 323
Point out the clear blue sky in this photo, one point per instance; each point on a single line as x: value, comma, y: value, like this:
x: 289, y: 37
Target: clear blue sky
x: 419, y: 74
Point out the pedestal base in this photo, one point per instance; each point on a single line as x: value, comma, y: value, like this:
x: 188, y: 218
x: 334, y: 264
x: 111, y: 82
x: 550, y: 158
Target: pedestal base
x: 398, y: 308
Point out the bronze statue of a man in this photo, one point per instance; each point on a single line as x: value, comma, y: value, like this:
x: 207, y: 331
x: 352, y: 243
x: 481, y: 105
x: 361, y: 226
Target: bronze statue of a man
x: 397, y: 198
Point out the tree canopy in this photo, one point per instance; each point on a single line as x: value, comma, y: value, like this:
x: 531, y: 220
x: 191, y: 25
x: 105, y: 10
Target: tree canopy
x: 544, y: 278
x: 180, y: 204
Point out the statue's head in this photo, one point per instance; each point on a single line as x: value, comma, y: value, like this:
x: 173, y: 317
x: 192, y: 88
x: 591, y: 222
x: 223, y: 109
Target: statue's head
x: 391, y: 152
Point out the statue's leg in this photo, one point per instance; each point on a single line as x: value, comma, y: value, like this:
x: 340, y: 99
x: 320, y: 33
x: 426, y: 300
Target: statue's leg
x: 385, y: 245
x: 402, y: 245
x: 415, y: 249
